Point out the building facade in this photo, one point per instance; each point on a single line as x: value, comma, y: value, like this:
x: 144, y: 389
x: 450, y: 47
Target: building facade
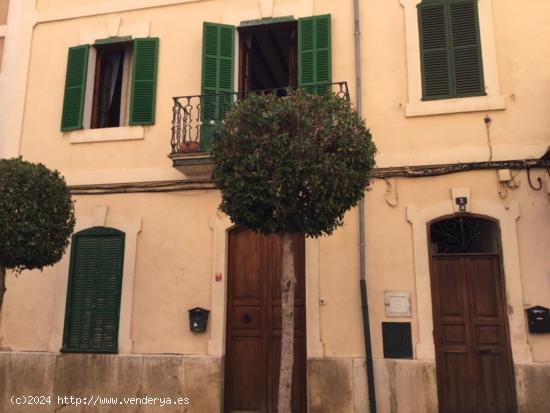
x: 457, y: 219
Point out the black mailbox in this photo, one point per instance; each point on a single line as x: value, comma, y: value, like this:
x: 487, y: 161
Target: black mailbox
x: 539, y: 319
x: 198, y: 318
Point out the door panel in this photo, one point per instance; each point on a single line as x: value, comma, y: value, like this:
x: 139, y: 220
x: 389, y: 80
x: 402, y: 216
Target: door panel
x: 474, y: 367
x: 246, y: 388
x: 254, y: 324
x: 494, y: 384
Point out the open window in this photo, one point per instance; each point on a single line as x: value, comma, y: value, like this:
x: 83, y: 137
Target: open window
x: 109, y: 99
x: 268, y: 56
x: 272, y: 55
x: 111, y: 83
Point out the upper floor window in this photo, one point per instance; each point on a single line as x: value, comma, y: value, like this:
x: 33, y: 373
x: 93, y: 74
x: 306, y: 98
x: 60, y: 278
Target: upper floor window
x: 271, y: 55
x: 450, y: 49
x: 110, y: 91
x: 111, y: 83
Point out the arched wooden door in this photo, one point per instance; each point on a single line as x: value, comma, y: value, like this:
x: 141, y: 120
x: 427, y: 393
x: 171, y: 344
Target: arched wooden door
x: 473, y: 355
x: 253, y: 333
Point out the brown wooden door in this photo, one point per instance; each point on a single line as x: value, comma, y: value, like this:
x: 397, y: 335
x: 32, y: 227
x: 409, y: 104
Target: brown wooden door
x: 254, y: 324
x: 474, y: 364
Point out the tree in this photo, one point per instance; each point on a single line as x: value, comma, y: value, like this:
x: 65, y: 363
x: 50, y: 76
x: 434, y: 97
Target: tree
x: 286, y: 165
x: 36, y: 217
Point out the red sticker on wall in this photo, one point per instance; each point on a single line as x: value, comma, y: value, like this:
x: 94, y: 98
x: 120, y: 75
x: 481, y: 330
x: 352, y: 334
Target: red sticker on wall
x: 218, y: 276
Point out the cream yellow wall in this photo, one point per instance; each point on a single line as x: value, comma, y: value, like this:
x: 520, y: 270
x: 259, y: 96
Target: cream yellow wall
x: 390, y: 260
x: 178, y: 74
x: 174, y: 266
x: 519, y: 32
x: 519, y: 130
x: 172, y: 275
x: 174, y: 249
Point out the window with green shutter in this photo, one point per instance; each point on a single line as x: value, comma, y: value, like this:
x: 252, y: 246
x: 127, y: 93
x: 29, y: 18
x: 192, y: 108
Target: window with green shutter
x: 218, y: 45
x: 75, y: 88
x: 94, y: 290
x: 314, y: 53
x: 144, y: 81
x: 120, y: 89
x: 450, y: 49
x: 267, y: 61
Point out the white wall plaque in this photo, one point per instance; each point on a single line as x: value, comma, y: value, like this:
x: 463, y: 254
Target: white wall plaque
x: 397, y: 303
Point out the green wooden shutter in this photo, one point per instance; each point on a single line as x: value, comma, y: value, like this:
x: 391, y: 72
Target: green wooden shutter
x: 434, y: 51
x: 75, y: 88
x: 218, y: 45
x: 314, y: 53
x: 450, y: 49
x: 468, y: 66
x: 144, y: 81
x: 93, y: 296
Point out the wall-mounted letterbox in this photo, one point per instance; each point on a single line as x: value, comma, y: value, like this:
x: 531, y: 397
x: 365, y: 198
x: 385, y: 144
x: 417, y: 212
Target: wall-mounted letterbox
x: 198, y: 319
x: 539, y: 319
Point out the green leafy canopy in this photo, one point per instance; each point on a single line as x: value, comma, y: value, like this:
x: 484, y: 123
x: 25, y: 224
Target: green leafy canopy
x: 36, y: 215
x: 292, y: 164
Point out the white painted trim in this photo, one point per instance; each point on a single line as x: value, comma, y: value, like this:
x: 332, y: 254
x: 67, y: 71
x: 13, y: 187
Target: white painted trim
x: 220, y: 226
x: 314, y: 344
x: 438, y: 107
x: 89, y: 35
x: 122, y: 133
x: 131, y: 227
x: 89, y: 92
x: 507, y: 217
x: 116, y: 176
x: 13, y: 77
x: 266, y: 8
x: 416, y: 106
x: 256, y: 10
x: 443, y: 155
x: 125, y: 93
x: 92, y: 9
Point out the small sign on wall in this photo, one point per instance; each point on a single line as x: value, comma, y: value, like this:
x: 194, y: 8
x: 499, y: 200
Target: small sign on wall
x: 218, y: 276
x: 397, y: 303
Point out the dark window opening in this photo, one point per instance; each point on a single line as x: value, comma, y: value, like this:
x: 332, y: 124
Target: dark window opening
x: 464, y: 235
x: 109, y: 74
x: 397, y: 341
x: 268, y: 56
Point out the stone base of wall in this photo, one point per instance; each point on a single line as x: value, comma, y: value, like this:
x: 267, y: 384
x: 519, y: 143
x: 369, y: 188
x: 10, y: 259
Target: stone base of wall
x: 340, y: 386
x: 533, y: 387
x: 87, y: 375
x: 404, y: 386
x: 335, y: 385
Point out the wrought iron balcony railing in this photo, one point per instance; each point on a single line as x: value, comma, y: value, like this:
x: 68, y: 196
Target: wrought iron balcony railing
x: 194, y: 116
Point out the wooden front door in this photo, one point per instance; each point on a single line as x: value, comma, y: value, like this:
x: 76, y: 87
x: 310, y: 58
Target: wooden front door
x: 473, y: 357
x: 254, y: 324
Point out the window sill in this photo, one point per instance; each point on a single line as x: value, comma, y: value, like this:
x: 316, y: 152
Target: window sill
x: 459, y: 105
x: 124, y: 133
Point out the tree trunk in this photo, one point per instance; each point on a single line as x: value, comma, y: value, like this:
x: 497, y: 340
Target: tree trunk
x: 288, y: 283
x: 2, y: 283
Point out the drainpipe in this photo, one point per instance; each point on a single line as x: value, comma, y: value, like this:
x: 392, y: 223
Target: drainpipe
x: 362, y: 261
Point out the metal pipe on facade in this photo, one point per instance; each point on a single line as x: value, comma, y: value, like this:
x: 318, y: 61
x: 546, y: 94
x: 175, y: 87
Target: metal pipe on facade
x: 362, y: 242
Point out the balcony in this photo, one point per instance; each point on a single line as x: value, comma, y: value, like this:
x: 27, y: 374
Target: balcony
x: 194, y: 118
